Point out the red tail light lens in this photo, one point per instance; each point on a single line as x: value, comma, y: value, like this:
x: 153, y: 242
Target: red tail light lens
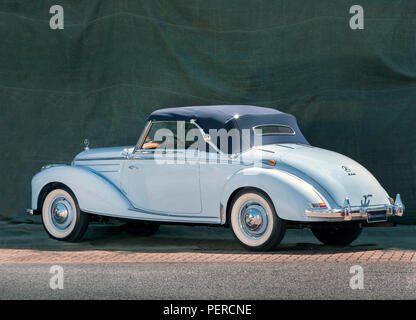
x: 320, y: 205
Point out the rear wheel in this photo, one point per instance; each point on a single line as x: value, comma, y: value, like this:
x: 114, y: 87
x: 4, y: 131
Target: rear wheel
x: 61, y: 216
x: 141, y: 228
x: 254, y: 221
x: 337, y: 234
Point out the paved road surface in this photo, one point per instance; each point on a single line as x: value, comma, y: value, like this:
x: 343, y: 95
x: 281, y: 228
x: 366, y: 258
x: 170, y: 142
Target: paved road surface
x: 282, y: 280
x: 204, y: 263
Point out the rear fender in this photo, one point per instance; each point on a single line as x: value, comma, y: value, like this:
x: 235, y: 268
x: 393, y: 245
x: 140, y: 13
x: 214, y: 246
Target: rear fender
x: 290, y: 195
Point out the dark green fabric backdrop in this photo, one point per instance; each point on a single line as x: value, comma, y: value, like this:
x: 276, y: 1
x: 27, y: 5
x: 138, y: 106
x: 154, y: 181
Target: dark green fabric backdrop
x: 353, y: 91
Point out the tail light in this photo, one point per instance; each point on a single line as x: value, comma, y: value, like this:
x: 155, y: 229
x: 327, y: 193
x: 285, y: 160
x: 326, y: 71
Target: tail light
x: 320, y: 205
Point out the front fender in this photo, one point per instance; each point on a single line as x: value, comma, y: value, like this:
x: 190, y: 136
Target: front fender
x: 290, y: 195
x: 94, y: 192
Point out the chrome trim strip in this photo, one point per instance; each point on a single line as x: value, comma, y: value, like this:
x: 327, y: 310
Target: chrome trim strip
x: 184, y: 215
x: 149, y: 219
x: 161, y: 213
x: 52, y: 165
x: 284, y: 146
x: 97, y: 159
x: 264, y: 150
x: 99, y: 164
x: 159, y: 151
x: 222, y: 214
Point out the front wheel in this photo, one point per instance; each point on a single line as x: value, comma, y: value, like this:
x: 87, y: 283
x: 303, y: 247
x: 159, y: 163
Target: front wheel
x: 61, y: 216
x: 254, y: 221
x: 340, y: 235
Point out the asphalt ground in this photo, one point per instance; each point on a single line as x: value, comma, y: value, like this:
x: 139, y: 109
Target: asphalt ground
x: 263, y: 280
x: 180, y: 262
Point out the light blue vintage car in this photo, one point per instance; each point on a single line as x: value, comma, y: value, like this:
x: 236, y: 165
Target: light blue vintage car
x: 245, y: 167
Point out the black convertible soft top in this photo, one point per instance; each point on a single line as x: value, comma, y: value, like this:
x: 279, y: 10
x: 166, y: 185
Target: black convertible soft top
x: 235, y: 116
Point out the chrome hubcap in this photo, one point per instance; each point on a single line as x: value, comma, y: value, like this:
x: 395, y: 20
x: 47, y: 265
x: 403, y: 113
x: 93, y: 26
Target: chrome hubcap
x: 61, y: 213
x: 253, y: 219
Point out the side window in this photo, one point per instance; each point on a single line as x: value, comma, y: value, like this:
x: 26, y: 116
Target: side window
x: 270, y: 130
x: 172, y: 135
x: 160, y: 132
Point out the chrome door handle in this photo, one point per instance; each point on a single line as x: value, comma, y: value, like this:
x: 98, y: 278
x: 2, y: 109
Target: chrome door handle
x: 131, y: 167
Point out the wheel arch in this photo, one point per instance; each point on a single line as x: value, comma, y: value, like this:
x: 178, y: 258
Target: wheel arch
x: 48, y: 188
x: 234, y: 194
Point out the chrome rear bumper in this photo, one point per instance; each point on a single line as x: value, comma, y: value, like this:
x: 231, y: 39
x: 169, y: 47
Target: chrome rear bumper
x: 348, y: 213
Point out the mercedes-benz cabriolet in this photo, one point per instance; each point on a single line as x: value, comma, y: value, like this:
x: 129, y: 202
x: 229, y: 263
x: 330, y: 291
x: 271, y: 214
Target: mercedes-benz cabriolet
x: 245, y: 167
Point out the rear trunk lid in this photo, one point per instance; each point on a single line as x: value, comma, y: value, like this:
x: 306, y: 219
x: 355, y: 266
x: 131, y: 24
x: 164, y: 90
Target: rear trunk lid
x: 339, y: 175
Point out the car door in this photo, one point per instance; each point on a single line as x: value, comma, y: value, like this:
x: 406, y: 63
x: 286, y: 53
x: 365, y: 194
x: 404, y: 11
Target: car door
x: 163, y: 179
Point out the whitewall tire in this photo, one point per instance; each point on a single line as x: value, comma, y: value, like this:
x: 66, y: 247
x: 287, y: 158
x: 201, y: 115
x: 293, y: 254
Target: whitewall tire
x: 61, y: 216
x: 254, y: 221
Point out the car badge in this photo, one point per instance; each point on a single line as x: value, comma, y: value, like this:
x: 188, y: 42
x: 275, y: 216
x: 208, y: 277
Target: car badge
x: 348, y: 171
x: 366, y: 201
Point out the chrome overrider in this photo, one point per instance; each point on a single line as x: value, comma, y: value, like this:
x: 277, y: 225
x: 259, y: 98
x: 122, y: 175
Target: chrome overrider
x: 347, y: 213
